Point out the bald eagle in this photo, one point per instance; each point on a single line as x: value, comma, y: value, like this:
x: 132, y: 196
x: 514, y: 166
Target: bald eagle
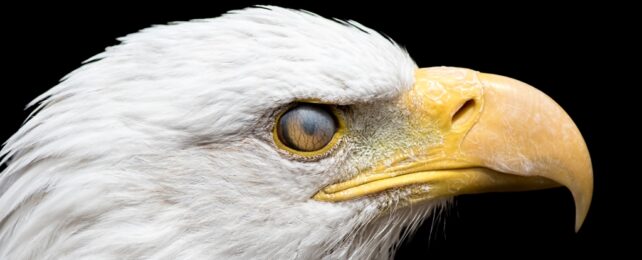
x: 272, y: 133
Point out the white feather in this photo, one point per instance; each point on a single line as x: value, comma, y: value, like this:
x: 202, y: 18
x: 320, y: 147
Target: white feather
x: 159, y: 148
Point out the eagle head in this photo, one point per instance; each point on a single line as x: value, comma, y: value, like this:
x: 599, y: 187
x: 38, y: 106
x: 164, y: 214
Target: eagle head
x: 271, y: 133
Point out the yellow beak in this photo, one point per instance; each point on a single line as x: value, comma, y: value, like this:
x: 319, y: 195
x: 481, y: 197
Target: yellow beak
x: 498, y: 134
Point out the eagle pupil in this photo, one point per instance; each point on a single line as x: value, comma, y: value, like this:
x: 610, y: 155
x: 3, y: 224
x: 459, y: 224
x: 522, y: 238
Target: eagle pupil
x: 310, y: 125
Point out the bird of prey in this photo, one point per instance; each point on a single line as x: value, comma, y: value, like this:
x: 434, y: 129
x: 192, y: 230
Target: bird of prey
x: 269, y: 133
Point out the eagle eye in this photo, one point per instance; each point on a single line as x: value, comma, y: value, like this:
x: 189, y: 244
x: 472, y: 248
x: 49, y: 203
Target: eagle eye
x: 307, y: 128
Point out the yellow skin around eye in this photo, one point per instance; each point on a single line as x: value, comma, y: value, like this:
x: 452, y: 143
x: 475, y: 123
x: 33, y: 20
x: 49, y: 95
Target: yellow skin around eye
x: 313, y: 143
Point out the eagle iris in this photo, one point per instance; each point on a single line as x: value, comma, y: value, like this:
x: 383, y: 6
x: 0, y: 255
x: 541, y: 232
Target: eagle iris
x: 307, y: 127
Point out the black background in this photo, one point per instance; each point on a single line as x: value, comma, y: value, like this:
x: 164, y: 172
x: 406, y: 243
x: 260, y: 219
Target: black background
x: 578, y: 55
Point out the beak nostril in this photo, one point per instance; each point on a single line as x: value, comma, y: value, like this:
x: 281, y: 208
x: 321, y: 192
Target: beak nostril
x: 463, y: 113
